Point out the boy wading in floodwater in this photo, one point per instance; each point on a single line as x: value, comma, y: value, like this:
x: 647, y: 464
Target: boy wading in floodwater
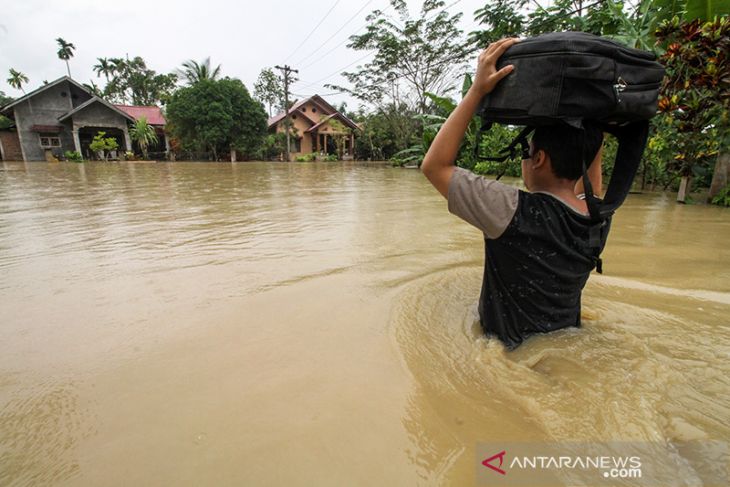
x: 538, y: 256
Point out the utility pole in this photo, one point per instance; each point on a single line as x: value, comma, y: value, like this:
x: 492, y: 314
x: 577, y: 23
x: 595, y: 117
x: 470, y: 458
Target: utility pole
x: 287, y: 71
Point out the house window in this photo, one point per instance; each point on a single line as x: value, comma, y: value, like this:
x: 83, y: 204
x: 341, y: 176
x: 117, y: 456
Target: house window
x: 49, y: 141
x: 314, y: 110
x: 297, y: 143
x: 304, y: 109
x: 294, y: 117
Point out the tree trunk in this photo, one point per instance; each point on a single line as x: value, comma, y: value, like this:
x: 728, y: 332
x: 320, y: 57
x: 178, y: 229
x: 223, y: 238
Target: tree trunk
x: 233, y: 154
x: 721, y: 176
x: 684, y: 188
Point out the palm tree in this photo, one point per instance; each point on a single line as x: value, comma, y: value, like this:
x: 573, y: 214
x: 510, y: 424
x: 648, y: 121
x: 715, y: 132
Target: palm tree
x: 94, y: 88
x: 194, y: 72
x: 104, y: 67
x: 144, y: 134
x: 65, y: 52
x: 17, y: 80
x: 119, y: 66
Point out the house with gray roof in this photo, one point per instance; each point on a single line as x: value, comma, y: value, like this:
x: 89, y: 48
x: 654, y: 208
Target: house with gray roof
x: 62, y: 116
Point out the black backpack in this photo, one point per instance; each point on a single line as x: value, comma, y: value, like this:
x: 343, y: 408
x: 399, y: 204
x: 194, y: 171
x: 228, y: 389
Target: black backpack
x: 570, y: 78
x: 573, y: 76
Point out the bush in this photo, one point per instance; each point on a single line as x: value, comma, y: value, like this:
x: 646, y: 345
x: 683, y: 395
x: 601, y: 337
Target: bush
x: 101, y: 144
x: 272, y: 147
x: 73, y: 156
x: 305, y: 158
x: 723, y: 197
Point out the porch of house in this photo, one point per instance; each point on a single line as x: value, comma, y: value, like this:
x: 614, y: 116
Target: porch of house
x: 84, y: 136
x: 325, y: 142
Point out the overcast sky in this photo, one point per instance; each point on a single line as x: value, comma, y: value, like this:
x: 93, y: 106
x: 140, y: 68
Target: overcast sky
x: 242, y: 36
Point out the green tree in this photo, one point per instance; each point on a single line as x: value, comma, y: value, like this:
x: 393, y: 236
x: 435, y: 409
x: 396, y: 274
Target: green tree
x: 104, y: 67
x: 508, y: 18
x: 341, y: 135
x: 144, y: 134
x: 101, y: 144
x: 412, y: 56
x: 94, y: 88
x: 386, y: 130
x: 217, y: 115
x: 132, y: 81
x: 5, y: 122
x: 65, y: 52
x: 194, y: 72
x: 269, y: 89
x: 17, y: 80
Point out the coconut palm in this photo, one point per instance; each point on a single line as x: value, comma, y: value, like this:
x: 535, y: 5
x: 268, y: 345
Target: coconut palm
x: 194, y: 72
x: 65, y: 52
x: 144, y: 134
x: 17, y: 80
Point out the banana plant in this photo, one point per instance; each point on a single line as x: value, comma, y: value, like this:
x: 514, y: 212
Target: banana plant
x: 432, y: 124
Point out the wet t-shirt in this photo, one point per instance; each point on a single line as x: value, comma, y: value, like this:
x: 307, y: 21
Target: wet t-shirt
x: 537, y: 257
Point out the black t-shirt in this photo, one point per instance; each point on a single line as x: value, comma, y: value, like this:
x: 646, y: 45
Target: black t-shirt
x: 537, y: 257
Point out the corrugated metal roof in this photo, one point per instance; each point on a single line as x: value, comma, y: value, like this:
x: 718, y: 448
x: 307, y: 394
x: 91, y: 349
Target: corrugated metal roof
x: 153, y: 114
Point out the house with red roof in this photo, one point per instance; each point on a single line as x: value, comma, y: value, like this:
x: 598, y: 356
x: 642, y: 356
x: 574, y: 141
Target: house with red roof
x: 317, y: 127
x: 154, y: 117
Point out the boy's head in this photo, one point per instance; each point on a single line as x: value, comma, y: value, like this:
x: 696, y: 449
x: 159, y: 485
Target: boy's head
x: 565, y: 145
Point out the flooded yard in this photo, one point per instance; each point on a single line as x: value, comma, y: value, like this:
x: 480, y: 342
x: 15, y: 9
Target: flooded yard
x: 316, y: 324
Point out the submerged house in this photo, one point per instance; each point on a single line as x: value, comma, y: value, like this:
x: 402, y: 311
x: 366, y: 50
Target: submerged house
x: 317, y: 127
x: 63, y: 116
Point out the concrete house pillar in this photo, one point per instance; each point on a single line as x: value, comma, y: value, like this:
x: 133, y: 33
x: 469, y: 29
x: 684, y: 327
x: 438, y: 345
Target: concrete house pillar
x: 127, y: 140
x: 77, y: 141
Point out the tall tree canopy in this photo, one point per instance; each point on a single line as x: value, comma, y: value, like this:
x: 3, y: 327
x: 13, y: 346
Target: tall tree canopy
x: 65, y: 52
x: 17, y: 79
x: 193, y: 72
x: 412, y: 56
x: 507, y: 18
x: 269, y: 89
x: 217, y: 115
x: 131, y: 81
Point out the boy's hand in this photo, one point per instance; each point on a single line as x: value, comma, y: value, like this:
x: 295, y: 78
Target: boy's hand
x: 487, y: 75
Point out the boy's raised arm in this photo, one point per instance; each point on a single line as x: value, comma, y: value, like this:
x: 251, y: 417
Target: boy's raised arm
x: 438, y: 164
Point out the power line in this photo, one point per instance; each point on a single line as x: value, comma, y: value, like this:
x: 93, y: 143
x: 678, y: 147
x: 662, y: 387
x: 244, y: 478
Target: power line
x: 339, y: 70
x: 369, y: 52
x: 330, y: 37
x: 312, y: 31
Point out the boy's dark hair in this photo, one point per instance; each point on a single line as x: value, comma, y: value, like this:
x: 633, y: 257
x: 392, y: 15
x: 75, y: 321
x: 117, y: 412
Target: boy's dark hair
x: 564, y: 145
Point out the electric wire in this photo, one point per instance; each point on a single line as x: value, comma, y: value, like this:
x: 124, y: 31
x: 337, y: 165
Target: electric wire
x: 330, y: 38
x: 312, y: 31
x: 367, y: 54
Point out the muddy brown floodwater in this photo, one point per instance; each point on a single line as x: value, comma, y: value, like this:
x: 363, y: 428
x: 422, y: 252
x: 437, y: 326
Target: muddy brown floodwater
x: 315, y: 324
